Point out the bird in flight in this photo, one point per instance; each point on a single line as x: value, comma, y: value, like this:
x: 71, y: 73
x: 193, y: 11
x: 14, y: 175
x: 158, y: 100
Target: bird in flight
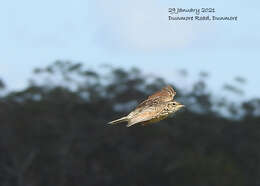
x: 156, y: 107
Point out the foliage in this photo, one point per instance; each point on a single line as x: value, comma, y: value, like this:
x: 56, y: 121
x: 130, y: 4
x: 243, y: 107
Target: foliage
x: 55, y: 133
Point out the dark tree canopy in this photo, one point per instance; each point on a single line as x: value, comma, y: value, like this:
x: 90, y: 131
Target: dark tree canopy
x: 55, y: 132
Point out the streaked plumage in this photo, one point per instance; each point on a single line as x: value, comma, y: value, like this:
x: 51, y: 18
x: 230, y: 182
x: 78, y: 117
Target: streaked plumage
x: 155, y: 108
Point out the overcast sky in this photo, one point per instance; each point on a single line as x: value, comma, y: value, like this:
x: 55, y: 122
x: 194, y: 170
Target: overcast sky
x: 131, y: 33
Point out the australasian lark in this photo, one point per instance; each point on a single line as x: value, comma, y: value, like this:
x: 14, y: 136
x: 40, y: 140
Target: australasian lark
x: 155, y: 108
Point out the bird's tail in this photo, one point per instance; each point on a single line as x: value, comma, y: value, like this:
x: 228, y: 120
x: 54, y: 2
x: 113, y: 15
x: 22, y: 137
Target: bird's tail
x: 123, y: 119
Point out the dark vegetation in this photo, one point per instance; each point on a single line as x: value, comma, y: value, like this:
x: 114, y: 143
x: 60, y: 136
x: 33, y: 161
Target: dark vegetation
x: 54, y: 132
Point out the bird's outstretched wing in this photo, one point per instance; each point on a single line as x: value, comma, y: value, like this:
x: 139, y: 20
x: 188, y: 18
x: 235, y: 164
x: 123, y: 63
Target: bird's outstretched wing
x: 164, y: 95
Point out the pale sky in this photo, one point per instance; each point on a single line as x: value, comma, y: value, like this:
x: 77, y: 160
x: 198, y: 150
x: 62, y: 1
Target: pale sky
x: 131, y: 33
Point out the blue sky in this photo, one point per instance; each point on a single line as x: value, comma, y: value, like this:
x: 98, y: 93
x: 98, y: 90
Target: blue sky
x: 131, y: 33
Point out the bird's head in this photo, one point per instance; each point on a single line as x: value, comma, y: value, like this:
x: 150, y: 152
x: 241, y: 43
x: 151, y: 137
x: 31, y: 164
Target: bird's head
x: 174, y: 106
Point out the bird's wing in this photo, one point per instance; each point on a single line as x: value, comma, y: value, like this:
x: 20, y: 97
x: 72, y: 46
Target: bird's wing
x: 146, y: 114
x: 164, y: 95
x: 150, y: 108
x: 167, y: 94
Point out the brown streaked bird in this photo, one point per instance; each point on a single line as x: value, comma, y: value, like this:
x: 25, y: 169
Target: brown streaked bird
x: 156, y: 107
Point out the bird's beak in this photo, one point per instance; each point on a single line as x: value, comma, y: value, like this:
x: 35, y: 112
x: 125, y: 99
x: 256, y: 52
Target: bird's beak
x: 181, y: 106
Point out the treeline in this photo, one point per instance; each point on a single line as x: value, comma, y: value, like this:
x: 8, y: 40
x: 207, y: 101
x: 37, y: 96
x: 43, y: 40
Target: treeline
x: 55, y: 132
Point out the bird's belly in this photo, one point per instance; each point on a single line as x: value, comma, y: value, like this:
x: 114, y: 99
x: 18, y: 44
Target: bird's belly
x: 154, y: 120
